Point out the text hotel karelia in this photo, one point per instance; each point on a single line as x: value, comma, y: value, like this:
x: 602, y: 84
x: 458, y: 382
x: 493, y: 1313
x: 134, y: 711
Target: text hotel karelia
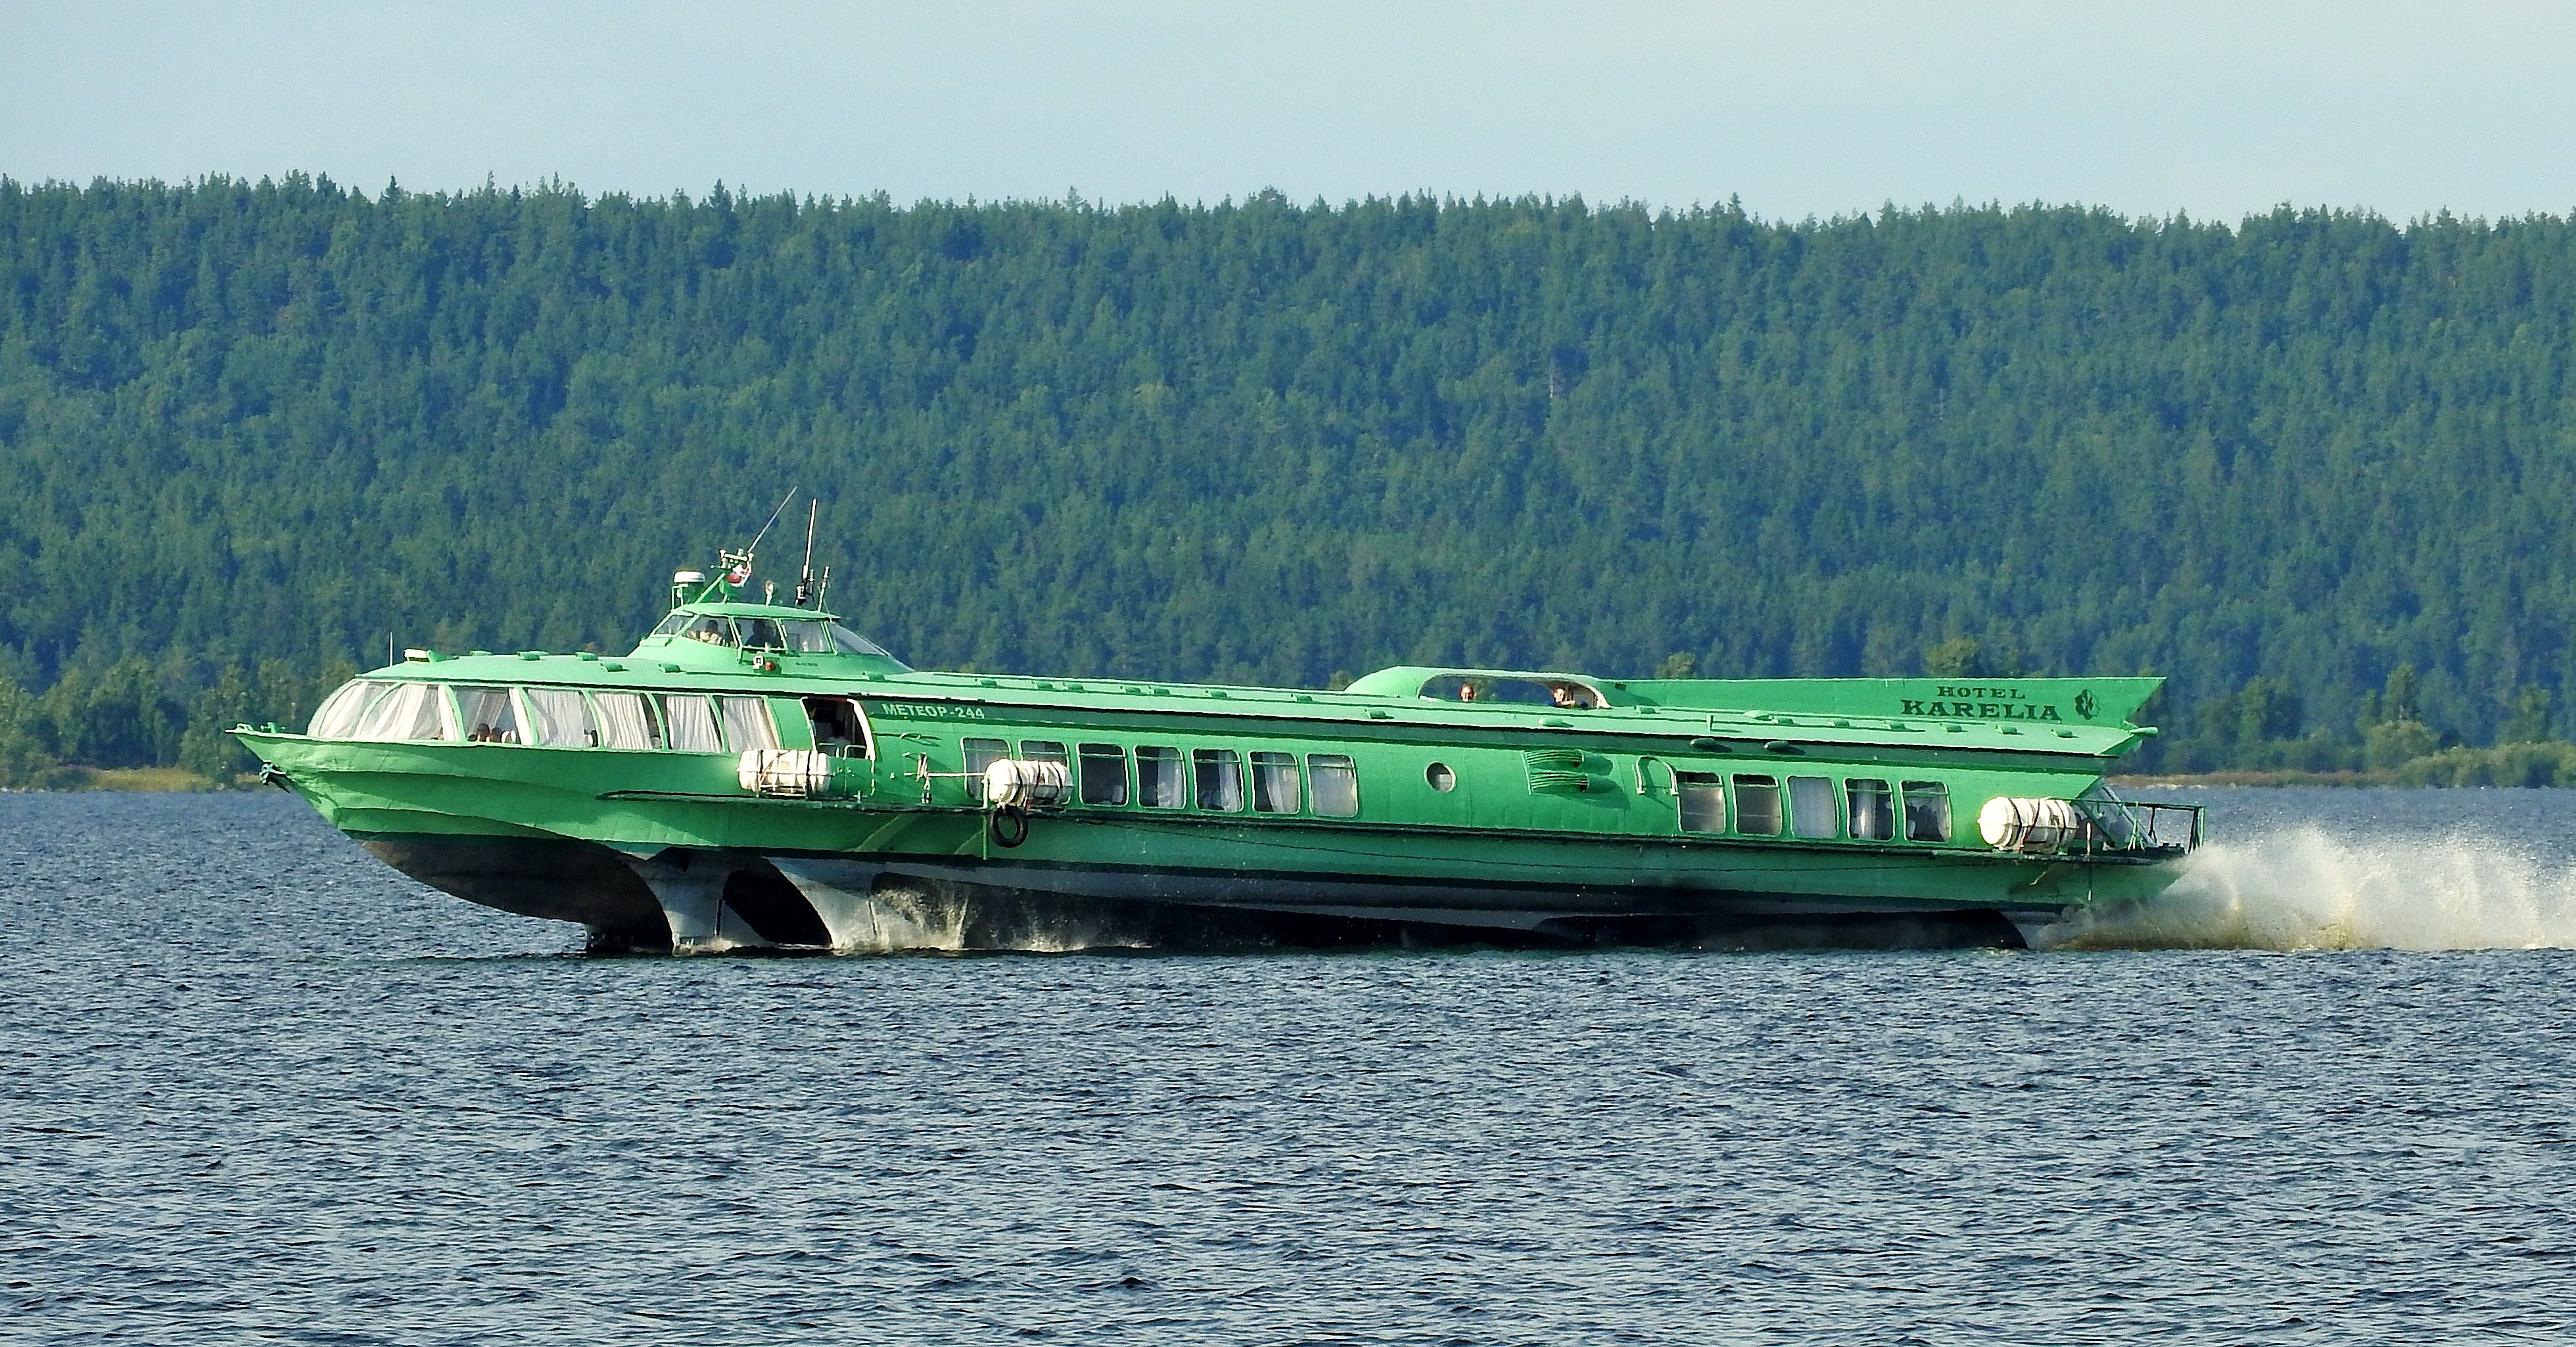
x: 1993, y: 704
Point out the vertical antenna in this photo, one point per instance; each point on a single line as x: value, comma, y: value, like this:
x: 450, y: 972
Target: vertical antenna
x: 805, y: 578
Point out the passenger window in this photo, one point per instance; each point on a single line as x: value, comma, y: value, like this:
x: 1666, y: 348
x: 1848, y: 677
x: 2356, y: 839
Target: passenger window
x: 560, y: 718
x: 1812, y: 812
x: 838, y: 730
x: 1757, y: 806
x: 1336, y: 785
x: 692, y: 721
x: 488, y: 715
x: 1927, y: 811
x: 1042, y: 750
x: 1220, y: 780
x: 1158, y: 779
x: 1274, y: 783
x: 1104, y: 774
x: 1703, y: 801
x: 340, y: 713
x: 412, y: 711
x: 1873, y: 810
x: 625, y: 721
x: 980, y: 754
x: 747, y: 724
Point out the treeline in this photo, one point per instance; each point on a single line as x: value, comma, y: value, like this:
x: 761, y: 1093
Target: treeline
x: 2279, y: 461
x: 136, y: 713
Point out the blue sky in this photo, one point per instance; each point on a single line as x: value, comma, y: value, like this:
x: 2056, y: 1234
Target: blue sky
x: 1806, y: 109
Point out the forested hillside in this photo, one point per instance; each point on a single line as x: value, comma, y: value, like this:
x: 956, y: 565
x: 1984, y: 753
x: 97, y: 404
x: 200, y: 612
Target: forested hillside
x: 248, y: 433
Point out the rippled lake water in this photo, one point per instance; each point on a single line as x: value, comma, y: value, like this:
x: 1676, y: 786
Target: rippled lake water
x: 253, y: 1086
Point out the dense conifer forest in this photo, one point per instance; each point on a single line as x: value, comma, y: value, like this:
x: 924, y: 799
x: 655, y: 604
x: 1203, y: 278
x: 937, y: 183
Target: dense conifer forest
x: 2318, y: 467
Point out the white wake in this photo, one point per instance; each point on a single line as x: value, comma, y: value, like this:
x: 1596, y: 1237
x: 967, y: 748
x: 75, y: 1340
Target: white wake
x: 2302, y: 889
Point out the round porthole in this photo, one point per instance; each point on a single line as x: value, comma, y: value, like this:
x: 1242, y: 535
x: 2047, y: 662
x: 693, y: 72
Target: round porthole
x: 1440, y: 777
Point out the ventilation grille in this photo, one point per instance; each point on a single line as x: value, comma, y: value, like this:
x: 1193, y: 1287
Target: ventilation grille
x: 1557, y: 770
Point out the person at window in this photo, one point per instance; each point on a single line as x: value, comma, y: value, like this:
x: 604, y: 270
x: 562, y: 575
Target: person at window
x: 1569, y: 697
x: 1466, y: 692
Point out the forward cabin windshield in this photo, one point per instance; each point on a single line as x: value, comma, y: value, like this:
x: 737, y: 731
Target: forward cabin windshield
x: 794, y: 636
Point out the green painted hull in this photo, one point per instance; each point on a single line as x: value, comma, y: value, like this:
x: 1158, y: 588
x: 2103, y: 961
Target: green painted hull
x: 652, y: 848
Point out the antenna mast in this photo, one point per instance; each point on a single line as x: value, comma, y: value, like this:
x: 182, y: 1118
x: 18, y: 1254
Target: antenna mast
x: 738, y: 564
x: 805, y: 578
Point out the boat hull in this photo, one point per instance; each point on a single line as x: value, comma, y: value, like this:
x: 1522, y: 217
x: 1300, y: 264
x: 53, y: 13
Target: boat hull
x: 662, y: 859
x: 694, y: 900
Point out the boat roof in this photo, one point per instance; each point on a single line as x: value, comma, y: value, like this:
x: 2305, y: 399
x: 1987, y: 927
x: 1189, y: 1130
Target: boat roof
x: 2054, y: 716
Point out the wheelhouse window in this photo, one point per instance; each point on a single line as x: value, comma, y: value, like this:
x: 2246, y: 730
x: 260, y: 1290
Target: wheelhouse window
x: 338, y: 715
x: 1336, y: 784
x: 489, y: 715
x: 1873, y: 810
x: 746, y: 723
x: 1927, y: 811
x: 692, y: 723
x: 1274, y: 783
x: 410, y: 712
x: 1703, y: 801
x: 712, y: 630
x: 980, y: 754
x: 849, y: 642
x: 1812, y: 811
x: 806, y: 638
x: 1159, y: 783
x: 560, y: 718
x: 1757, y: 806
x: 1104, y: 774
x: 626, y: 721
x: 671, y: 625
x: 1220, y: 779
x: 760, y: 633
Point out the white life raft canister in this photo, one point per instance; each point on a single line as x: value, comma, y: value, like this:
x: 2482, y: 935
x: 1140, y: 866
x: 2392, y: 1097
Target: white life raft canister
x: 2015, y: 823
x: 1025, y: 783
x: 785, y: 773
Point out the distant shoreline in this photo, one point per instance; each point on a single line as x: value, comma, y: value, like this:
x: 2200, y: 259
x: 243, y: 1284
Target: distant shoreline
x: 69, y: 780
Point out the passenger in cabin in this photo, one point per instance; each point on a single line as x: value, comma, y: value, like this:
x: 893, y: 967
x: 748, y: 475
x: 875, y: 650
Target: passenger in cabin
x: 1571, y: 698
x: 1466, y: 692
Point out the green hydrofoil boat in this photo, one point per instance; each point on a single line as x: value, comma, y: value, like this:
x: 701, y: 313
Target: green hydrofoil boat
x: 756, y: 775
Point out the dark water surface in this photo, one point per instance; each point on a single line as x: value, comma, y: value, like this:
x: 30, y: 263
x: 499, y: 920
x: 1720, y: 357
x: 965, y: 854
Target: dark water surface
x: 255, y: 1087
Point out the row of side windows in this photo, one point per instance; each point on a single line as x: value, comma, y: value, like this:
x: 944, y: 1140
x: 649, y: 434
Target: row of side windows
x: 381, y: 712
x: 1216, y: 780
x: 1867, y: 809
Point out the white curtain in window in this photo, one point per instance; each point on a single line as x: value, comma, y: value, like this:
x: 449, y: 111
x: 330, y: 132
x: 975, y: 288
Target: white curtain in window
x: 559, y: 718
x: 339, y: 714
x: 412, y: 711
x: 623, y: 721
x: 693, y: 724
x: 1811, y: 807
x: 747, y: 724
x: 1337, y: 786
x: 1274, y: 782
x: 487, y: 715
